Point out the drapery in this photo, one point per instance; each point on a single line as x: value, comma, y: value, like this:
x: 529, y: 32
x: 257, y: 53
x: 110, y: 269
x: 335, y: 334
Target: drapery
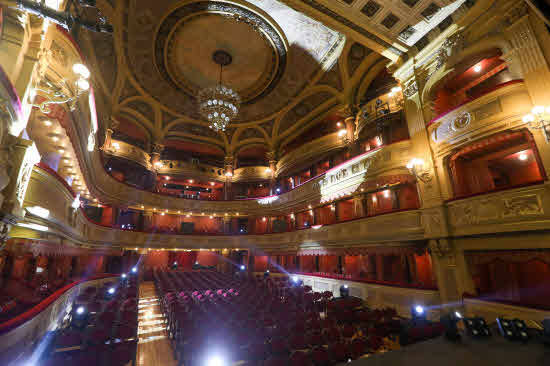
x: 518, y: 276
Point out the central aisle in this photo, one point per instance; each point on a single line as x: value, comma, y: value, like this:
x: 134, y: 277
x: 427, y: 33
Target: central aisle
x: 154, y: 346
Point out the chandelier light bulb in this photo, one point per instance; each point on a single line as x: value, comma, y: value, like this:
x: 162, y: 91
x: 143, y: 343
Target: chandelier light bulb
x: 81, y: 70
x: 528, y: 118
x: 83, y: 84
x: 537, y: 110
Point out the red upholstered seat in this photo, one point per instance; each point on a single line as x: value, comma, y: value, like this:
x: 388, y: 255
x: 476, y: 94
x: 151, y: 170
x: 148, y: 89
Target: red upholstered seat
x: 300, y: 359
x: 320, y: 357
x: 69, y: 338
x: 339, y: 351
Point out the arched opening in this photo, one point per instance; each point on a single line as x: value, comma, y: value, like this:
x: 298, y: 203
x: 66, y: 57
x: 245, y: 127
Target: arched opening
x: 506, y: 160
x: 473, y: 77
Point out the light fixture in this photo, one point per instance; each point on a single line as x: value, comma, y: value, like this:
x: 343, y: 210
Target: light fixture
x: 66, y: 91
x: 124, y: 275
x: 342, y: 133
x: 162, y: 214
x: 539, y: 118
x: 134, y: 270
x: 219, y: 105
x: 417, y: 167
x: 242, y: 267
x: 386, y: 193
x: 523, y: 156
x: 211, y: 216
x: 111, y: 291
x: 316, y: 227
x: 263, y: 219
x: 268, y: 170
x: 76, y: 202
x: 338, y: 124
x: 47, y: 123
x: 212, y: 183
x: 39, y: 211
x: 477, y: 68
x: 80, y: 310
x: 55, y: 138
x: 190, y: 180
x: 116, y: 145
x: 215, y: 361
x: 228, y: 174
x: 187, y: 215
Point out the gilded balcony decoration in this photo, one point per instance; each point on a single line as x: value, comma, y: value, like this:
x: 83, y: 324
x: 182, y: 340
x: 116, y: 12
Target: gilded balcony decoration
x: 128, y: 151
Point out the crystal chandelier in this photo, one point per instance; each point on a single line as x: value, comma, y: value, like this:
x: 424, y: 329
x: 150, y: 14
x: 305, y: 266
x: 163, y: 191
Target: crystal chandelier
x: 219, y: 104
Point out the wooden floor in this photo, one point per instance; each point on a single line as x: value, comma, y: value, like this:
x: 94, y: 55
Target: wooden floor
x: 153, y: 347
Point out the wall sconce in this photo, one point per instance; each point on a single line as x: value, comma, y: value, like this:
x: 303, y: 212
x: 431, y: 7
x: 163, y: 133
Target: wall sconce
x: 539, y: 118
x: 67, y: 91
x: 418, y: 168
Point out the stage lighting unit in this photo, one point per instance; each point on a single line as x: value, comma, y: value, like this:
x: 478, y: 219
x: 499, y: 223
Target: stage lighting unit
x: 450, y: 322
x: 134, y: 269
x: 344, y: 291
x: 266, y: 273
x: 513, y: 330
x: 79, y: 317
x: 175, y: 266
x: 418, y: 313
x: 477, y: 327
x: 546, y: 331
x: 296, y: 281
x: 243, y: 267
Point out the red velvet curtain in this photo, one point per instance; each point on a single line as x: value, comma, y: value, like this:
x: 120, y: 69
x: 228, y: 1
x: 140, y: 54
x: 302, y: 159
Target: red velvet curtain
x: 520, y: 277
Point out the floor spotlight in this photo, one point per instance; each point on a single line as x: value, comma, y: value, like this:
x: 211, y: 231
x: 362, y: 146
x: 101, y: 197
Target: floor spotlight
x: 450, y: 322
x: 243, y: 267
x: 215, y: 361
x: 418, y: 313
x: 344, y: 291
x: 513, y: 330
x: 477, y: 327
x: 80, y: 317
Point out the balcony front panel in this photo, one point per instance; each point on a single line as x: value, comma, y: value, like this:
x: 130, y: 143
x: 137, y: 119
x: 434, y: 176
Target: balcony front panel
x: 341, y: 180
x: 520, y: 209
x: 406, y: 227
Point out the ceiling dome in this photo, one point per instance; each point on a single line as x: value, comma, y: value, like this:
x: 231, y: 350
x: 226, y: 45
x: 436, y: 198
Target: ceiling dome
x: 183, y: 53
x: 275, y: 52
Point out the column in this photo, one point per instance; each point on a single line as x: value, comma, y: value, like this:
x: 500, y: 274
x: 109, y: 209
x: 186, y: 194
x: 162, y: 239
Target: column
x: 359, y: 210
x: 228, y: 168
x: 147, y: 220
x: 272, y: 172
x: 227, y: 224
x: 107, y: 144
x: 156, y: 151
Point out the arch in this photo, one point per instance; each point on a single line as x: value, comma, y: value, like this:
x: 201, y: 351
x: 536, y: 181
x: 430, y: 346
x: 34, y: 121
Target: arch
x: 453, y: 64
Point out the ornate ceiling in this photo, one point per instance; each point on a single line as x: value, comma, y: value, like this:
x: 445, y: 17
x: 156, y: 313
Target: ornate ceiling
x: 291, y: 70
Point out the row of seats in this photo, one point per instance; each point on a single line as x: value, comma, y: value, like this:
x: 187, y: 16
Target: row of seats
x: 259, y: 321
x: 109, y: 334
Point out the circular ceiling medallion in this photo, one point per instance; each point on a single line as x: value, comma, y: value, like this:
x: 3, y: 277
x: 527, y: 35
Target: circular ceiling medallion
x: 195, y: 39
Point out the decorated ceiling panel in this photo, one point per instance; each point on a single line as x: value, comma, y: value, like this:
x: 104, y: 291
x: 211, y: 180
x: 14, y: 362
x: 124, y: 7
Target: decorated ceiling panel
x: 289, y: 68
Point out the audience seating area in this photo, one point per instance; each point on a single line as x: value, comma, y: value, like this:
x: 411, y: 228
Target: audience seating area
x: 267, y: 321
x: 110, y: 336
